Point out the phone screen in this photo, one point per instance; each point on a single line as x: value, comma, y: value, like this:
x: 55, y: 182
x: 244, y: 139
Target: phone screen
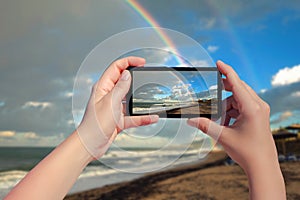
x: 175, y: 92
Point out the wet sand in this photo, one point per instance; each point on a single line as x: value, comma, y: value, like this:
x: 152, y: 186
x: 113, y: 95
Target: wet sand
x: 194, y: 110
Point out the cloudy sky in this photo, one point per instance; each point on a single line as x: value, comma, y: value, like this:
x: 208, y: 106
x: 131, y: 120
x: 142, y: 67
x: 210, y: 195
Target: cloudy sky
x: 151, y: 85
x: 43, y: 43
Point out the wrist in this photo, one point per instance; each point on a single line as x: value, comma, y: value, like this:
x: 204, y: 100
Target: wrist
x: 265, y: 179
x: 82, y: 153
x: 92, y: 139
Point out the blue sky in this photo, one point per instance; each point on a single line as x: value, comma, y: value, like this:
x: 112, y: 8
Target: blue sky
x: 265, y: 51
x: 43, y: 43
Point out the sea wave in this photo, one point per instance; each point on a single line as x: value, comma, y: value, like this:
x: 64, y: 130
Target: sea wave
x: 112, y: 166
x: 10, y: 178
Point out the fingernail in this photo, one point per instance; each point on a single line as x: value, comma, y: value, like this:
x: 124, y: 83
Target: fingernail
x: 125, y: 75
x: 220, y: 62
x: 154, y: 118
x: 192, y: 122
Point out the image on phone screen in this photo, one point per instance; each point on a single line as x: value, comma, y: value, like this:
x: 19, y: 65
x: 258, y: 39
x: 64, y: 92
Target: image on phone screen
x: 175, y: 92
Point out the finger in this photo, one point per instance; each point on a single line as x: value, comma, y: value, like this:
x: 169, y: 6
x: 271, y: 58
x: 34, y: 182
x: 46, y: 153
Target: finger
x: 228, y: 87
x: 227, y: 103
x: 207, y: 126
x: 121, y: 88
x: 234, y: 84
x: 231, y: 76
x: 134, y: 121
x: 124, y: 108
x: 251, y: 91
x: 231, y: 114
x: 113, y: 72
x: 220, y: 133
x: 227, y: 120
x: 116, y: 68
x: 226, y: 84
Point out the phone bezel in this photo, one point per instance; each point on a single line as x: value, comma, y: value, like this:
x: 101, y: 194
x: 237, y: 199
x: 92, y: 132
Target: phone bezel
x: 129, y: 95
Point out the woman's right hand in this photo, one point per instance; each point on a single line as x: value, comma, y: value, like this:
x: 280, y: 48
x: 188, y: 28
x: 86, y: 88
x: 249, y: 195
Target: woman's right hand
x: 248, y: 140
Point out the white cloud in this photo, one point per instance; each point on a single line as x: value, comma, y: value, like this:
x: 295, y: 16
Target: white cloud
x: 30, y: 135
x: 7, y: 134
x: 200, y: 63
x: 263, y: 90
x: 212, y: 48
x: 283, y: 98
x: 278, y: 118
x: 31, y: 139
x: 286, y: 76
x: 52, y: 140
x: 286, y: 114
x: 68, y: 94
x: 296, y: 94
x: 71, y: 122
x: 207, y: 23
x: 213, y: 87
x: 50, y: 19
x: 36, y: 104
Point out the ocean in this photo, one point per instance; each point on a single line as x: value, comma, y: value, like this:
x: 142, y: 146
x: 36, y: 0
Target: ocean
x: 116, y: 165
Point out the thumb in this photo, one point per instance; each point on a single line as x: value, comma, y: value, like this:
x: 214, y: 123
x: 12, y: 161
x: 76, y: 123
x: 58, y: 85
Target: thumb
x: 122, y: 87
x: 207, y: 126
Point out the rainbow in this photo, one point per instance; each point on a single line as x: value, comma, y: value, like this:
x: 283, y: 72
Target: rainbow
x: 235, y: 40
x: 167, y: 40
x: 153, y: 23
x: 217, y: 10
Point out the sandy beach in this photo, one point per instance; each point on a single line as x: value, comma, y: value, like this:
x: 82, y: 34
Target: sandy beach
x: 211, y: 179
x: 193, y: 108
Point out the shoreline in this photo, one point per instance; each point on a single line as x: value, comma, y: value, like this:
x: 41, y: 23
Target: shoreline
x: 209, y: 179
x: 124, y: 189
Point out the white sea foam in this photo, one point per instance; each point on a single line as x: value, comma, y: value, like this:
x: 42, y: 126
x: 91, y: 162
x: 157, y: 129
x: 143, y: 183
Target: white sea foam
x: 136, y: 162
x: 8, y: 180
x: 91, y: 171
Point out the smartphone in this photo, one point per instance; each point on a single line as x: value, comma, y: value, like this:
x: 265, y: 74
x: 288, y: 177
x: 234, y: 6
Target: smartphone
x: 175, y: 92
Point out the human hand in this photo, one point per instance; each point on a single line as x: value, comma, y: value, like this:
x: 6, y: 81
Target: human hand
x: 248, y: 140
x: 104, y: 117
x: 102, y: 121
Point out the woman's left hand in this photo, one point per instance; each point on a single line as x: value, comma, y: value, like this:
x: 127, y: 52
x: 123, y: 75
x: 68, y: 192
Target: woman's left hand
x: 104, y: 117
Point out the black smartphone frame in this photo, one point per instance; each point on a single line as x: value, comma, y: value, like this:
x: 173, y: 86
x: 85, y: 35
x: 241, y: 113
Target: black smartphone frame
x: 129, y: 100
